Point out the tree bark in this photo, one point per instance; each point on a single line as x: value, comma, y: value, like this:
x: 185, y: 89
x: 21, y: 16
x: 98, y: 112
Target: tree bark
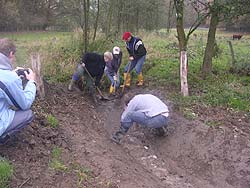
x: 208, y: 56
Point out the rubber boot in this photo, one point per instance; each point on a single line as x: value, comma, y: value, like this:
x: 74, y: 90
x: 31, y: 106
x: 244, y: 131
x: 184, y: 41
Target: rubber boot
x: 118, y: 135
x: 71, y: 85
x: 111, y: 90
x: 127, y: 79
x: 140, y: 80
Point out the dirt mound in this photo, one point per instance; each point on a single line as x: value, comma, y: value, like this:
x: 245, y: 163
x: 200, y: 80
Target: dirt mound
x: 193, y: 154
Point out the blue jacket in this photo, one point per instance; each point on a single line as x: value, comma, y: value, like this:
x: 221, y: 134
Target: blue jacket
x: 24, y: 97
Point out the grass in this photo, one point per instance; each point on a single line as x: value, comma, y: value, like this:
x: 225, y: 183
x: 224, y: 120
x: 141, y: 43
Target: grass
x: 56, y: 162
x: 83, y: 173
x: 53, y: 122
x: 6, y: 172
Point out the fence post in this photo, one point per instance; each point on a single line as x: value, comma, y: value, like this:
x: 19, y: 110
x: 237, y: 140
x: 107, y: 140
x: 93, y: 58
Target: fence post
x: 36, y: 67
x: 232, y: 53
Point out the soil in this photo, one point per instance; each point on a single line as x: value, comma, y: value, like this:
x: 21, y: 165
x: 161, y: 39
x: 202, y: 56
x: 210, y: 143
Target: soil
x: 210, y: 151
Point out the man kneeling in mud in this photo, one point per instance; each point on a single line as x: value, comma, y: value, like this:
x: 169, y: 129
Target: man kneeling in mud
x: 91, y: 68
x: 144, y: 109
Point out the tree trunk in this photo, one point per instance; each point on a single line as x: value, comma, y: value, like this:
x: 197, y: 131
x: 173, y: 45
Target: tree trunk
x: 184, y: 73
x: 86, y: 19
x: 109, y: 19
x: 182, y: 46
x: 208, y: 56
x: 96, y: 20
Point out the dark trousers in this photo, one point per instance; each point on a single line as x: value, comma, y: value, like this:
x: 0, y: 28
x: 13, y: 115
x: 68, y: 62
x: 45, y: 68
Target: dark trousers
x: 21, y: 120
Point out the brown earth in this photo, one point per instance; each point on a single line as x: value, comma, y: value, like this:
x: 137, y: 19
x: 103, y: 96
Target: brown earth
x: 192, y: 154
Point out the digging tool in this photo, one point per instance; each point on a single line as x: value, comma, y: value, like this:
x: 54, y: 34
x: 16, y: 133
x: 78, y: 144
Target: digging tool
x: 99, y: 91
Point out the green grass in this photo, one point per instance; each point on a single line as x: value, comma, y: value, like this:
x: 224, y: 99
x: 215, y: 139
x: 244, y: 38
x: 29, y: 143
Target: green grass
x: 29, y: 42
x: 6, y: 172
x: 56, y: 162
x: 53, y: 122
x: 83, y: 173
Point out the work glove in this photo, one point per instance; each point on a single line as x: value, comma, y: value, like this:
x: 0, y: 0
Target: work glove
x: 115, y: 78
x: 83, y: 64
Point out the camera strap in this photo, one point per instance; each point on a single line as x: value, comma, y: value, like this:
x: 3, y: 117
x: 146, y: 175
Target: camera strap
x: 5, y: 89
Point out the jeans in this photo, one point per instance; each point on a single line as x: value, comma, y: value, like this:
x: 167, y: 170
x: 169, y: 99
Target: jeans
x: 110, y: 76
x: 79, y: 72
x: 137, y: 64
x: 142, y: 119
x: 21, y: 120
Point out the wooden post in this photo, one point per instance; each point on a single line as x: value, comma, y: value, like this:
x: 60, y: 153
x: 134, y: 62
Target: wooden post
x: 183, y: 73
x: 232, y: 52
x: 36, y: 67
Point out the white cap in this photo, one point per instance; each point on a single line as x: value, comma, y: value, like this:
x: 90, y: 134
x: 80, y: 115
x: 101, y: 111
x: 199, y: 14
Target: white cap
x: 116, y: 50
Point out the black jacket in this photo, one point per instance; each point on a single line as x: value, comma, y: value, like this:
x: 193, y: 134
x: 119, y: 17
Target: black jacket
x: 95, y: 64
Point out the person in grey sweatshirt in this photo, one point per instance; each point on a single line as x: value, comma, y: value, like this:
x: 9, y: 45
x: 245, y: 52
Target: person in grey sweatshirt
x: 144, y: 109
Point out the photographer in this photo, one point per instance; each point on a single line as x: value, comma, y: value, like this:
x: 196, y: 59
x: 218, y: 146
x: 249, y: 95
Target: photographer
x: 15, y: 101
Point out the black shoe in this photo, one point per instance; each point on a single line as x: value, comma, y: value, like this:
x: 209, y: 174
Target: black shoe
x: 161, y: 131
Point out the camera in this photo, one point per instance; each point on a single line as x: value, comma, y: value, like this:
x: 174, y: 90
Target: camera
x: 20, y: 72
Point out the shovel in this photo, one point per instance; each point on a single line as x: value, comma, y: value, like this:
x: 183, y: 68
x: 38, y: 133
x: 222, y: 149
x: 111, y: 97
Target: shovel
x: 99, y: 91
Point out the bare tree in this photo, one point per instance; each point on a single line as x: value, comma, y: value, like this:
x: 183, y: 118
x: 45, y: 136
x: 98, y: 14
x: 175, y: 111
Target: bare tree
x: 183, y: 40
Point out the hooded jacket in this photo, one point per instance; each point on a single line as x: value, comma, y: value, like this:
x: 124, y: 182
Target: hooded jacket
x: 24, y: 97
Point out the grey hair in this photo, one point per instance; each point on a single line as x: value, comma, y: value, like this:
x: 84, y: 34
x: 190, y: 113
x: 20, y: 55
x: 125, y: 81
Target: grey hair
x: 108, y: 55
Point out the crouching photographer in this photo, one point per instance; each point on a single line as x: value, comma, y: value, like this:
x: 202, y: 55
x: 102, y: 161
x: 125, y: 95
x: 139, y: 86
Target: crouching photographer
x: 15, y: 100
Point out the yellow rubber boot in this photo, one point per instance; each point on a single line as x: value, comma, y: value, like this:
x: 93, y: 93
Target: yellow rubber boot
x: 127, y: 79
x: 111, y: 90
x: 140, y: 80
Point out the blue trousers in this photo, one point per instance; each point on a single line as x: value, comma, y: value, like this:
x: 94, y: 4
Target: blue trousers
x: 79, y: 72
x: 137, y: 64
x: 113, y: 83
x: 142, y: 119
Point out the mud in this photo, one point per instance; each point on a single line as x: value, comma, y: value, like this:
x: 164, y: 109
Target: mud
x: 192, y: 154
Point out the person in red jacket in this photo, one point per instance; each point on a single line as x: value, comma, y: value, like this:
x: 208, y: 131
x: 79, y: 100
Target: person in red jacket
x: 137, y: 55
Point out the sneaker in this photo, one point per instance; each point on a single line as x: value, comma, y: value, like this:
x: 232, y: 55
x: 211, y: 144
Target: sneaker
x: 115, y: 138
x: 161, y: 131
